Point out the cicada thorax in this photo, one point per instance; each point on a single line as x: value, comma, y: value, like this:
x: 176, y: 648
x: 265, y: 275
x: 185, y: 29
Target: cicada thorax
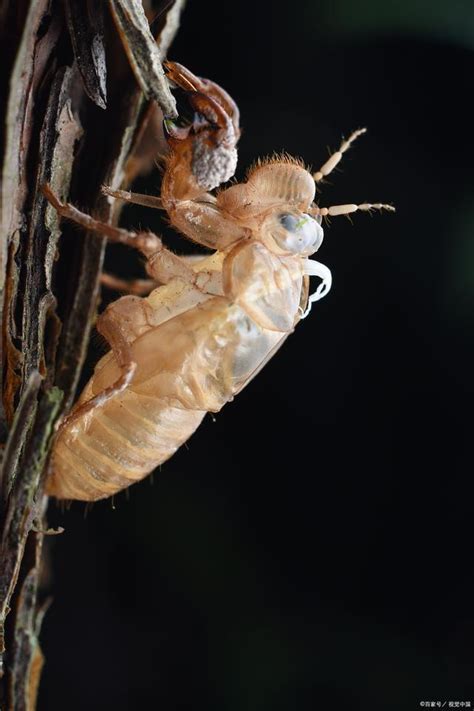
x: 274, y: 183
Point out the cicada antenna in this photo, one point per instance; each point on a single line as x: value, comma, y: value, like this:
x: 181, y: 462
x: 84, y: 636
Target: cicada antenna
x: 336, y: 157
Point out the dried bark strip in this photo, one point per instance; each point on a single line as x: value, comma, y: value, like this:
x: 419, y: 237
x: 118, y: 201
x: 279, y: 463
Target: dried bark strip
x: 13, y: 183
x: 143, y: 52
x: 124, y: 165
x: 165, y: 25
x: 19, y: 518
x: 27, y: 657
x: 18, y: 524
x: 23, y: 418
x: 86, y: 27
x: 18, y: 110
x: 149, y: 141
x: 56, y: 152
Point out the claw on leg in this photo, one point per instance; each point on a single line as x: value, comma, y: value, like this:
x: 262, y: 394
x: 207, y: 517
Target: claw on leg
x: 182, y: 77
x: 203, y: 155
x: 188, y: 81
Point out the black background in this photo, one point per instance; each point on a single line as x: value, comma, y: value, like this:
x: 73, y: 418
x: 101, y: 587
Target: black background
x: 312, y: 547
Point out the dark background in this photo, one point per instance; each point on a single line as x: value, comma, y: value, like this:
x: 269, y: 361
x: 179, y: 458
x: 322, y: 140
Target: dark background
x: 312, y: 547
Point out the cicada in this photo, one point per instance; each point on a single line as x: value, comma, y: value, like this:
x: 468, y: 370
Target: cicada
x: 211, y: 322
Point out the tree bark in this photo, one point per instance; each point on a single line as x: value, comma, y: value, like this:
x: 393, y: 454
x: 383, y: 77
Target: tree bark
x: 82, y: 88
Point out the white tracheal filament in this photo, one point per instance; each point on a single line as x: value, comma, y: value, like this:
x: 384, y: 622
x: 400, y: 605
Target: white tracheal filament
x: 314, y: 268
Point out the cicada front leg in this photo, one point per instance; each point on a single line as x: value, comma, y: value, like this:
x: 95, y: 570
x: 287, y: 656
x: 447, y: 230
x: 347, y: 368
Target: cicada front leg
x: 187, y: 81
x: 202, y: 157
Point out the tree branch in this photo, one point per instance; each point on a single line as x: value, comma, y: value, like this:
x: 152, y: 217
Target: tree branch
x: 50, y: 286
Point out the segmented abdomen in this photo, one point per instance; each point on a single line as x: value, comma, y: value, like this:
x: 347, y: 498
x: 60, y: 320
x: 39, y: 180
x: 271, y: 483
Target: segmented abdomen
x: 182, y: 372
x: 125, y: 440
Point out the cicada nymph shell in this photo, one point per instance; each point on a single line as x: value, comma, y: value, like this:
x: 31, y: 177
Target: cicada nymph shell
x: 210, y: 323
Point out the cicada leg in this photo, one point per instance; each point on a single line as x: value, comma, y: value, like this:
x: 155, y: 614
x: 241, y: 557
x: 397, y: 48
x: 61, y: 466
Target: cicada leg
x: 137, y: 287
x: 115, y: 334
x: 146, y: 242
x: 162, y: 264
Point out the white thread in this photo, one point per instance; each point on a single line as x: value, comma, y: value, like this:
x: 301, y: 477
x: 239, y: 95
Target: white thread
x: 314, y: 268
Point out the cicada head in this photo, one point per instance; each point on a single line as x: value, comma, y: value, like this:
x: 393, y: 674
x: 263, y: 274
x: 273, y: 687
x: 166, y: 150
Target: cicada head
x: 274, y: 203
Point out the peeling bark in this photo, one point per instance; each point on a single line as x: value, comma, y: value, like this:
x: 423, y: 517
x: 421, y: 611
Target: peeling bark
x: 75, y: 117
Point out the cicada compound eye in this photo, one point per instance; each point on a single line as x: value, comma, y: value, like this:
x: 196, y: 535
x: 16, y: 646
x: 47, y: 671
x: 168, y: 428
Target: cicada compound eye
x: 298, y: 233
